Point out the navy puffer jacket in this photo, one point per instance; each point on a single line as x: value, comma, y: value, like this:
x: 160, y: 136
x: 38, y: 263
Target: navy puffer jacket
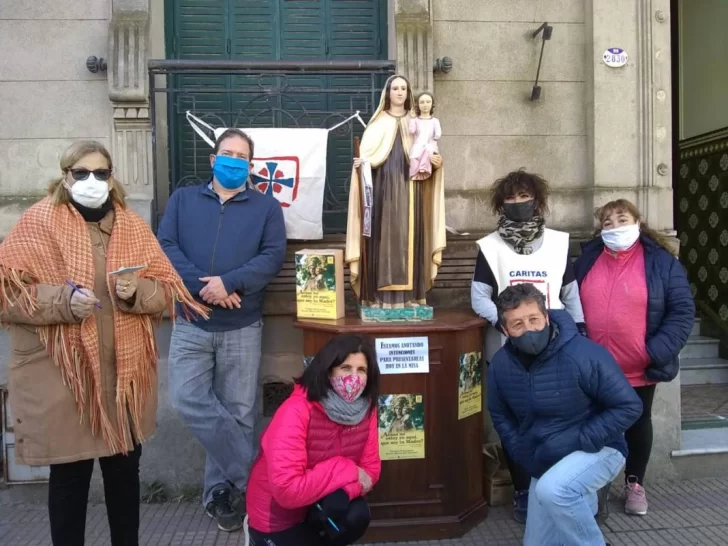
x: 670, y: 305
x: 572, y: 398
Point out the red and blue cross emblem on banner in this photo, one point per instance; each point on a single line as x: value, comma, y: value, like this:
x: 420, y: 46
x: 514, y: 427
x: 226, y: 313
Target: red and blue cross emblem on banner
x: 277, y: 176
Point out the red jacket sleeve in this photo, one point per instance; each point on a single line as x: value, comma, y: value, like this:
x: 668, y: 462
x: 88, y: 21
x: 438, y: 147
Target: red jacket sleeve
x: 284, y: 445
x: 370, y: 461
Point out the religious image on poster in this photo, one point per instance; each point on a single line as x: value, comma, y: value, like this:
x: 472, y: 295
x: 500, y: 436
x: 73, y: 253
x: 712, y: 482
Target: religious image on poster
x: 320, y: 283
x: 470, y: 384
x: 401, y: 427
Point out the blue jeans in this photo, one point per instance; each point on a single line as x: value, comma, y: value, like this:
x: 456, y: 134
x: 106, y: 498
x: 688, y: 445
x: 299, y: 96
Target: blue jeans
x: 562, y: 503
x: 213, y: 385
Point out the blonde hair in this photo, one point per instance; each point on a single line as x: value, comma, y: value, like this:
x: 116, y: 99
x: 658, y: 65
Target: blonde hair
x: 624, y: 205
x: 73, y: 154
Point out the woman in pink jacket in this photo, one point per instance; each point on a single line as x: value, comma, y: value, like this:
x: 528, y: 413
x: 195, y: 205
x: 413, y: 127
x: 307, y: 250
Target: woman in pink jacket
x: 320, y: 453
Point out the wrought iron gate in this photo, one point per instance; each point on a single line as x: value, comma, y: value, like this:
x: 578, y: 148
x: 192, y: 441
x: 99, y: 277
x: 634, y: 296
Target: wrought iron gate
x: 247, y: 94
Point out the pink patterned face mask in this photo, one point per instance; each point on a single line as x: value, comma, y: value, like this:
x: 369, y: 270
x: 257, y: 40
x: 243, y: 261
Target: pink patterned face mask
x: 348, y: 387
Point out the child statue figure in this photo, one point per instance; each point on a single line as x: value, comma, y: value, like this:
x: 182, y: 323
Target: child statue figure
x: 426, y: 131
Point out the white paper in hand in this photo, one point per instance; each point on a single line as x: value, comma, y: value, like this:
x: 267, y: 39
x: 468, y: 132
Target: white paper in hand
x: 132, y: 269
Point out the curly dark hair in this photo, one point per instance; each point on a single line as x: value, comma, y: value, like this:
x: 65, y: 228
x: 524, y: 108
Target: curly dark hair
x: 513, y: 296
x: 516, y: 181
x: 417, y: 103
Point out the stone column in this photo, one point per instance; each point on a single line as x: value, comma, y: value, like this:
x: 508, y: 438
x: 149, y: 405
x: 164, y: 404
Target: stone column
x: 629, y: 108
x: 413, y: 22
x: 131, y: 140
x: 629, y: 128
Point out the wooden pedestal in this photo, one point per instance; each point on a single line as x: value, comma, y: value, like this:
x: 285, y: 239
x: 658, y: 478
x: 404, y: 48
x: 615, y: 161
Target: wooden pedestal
x: 440, y: 496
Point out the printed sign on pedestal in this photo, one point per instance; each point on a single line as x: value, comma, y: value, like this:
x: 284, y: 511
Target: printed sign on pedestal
x: 470, y: 384
x: 403, y: 355
x: 401, y: 427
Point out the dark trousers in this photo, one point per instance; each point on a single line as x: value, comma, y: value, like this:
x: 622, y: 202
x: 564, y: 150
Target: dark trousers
x: 309, y: 534
x: 68, y: 498
x: 639, y: 436
x: 520, y: 478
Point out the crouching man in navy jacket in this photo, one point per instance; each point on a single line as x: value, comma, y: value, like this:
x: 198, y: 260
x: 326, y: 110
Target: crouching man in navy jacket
x: 560, y: 405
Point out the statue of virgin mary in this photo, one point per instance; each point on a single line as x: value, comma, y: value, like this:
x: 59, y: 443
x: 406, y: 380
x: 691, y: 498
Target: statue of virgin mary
x: 404, y: 249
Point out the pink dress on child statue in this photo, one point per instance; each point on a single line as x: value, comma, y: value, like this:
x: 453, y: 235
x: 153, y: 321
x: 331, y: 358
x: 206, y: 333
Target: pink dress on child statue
x: 426, y: 133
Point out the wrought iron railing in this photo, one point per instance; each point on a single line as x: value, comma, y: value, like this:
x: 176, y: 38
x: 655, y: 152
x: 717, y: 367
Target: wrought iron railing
x: 246, y: 94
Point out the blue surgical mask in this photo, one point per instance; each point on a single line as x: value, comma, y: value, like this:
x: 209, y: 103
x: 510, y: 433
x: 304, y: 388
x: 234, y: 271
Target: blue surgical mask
x: 532, y: 343
x: 230, y: 172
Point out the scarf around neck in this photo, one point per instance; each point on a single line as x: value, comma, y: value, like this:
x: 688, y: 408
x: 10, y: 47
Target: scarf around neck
x: 94, y: 215
x: 521, y: 235
x: 342, y: 412
x: 50, y: 244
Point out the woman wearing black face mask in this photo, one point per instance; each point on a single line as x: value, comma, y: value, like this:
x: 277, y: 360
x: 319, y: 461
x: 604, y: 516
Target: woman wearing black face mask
x: 522, y: 250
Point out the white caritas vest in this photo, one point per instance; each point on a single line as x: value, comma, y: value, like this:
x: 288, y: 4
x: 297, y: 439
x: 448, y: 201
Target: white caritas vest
x: 544, y: 268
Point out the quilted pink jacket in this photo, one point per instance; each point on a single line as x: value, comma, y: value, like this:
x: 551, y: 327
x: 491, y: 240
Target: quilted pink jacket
x: 303, y: 457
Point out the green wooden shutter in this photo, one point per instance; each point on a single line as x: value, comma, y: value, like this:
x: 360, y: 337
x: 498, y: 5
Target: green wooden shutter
x: 254, y: 33
x: 353, y: 33
x: 303, y: 37
x: 274, y: 30
x: 199, y: 32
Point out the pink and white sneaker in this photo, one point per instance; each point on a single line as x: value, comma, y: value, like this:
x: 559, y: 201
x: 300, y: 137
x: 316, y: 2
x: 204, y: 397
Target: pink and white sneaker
x: 635, y: 503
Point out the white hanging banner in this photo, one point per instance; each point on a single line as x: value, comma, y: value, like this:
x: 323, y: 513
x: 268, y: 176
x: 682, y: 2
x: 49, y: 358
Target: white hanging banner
x: 290, y: 165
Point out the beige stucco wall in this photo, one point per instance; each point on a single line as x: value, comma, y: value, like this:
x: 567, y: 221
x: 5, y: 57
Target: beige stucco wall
x: 47, y: 97
x: 490, y: 126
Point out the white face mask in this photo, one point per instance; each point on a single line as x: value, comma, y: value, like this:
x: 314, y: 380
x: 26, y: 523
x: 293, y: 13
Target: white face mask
x: 91, y: 193
x: 621, y: 238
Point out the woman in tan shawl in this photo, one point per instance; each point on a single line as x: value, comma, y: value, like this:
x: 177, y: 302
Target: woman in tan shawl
x: 83, y: 369
x: 407, y: 238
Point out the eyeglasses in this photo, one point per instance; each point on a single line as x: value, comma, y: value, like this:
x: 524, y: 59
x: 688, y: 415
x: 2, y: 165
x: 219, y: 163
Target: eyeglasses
x: 82, y: 174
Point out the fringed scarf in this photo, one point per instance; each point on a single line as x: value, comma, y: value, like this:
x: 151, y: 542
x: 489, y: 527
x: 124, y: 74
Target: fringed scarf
x: 51, y: 245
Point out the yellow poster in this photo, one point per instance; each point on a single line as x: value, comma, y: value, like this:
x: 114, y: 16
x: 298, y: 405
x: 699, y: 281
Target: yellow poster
x: 470, y: 385
x: 320, y: 284
x: 401, y: 427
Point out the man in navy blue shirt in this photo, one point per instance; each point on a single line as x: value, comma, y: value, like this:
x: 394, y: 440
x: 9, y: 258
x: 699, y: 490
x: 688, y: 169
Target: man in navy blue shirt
x: 560, y: 404
x: 227, y: 242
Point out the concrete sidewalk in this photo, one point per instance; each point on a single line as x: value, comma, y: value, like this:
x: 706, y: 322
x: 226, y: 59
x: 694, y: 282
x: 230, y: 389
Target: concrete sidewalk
x: 686, y: 513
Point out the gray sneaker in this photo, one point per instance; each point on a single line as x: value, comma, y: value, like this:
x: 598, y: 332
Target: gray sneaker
x: 221, y: 510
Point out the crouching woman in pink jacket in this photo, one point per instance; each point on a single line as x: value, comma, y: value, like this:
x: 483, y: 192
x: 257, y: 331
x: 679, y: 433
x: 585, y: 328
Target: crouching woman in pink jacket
x: 319, y: 456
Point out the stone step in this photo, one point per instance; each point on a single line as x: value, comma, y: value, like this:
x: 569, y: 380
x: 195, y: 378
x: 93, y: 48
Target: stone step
x: 696, y: 328
x: 701, y: 347
x: 703, y: 453
x: 703, y: 371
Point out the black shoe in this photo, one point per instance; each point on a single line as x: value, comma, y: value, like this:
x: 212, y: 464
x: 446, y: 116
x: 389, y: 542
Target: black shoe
x: 221, y: 510
x: 238, y: 502
x: 520, y: 505
x: 602, y: 514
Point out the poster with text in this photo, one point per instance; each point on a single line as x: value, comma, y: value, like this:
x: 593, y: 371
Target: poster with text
x: 470, y: 384
x: 403, y: 355
x: 401, y: 427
